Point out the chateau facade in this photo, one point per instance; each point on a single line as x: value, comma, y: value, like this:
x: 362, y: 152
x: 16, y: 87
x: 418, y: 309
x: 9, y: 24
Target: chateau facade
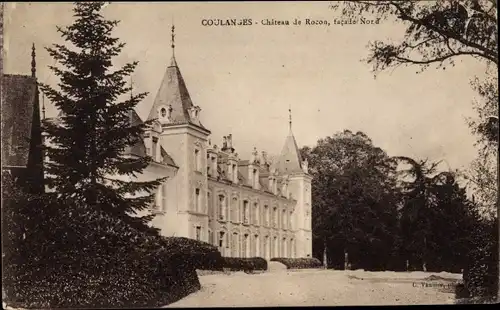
x: 246, y: 208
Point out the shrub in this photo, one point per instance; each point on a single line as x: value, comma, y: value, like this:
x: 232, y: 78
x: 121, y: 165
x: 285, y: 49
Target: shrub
x: 299, y: 263
x: 70, y: 256
x: 481, y: 272
x: 245, y: 264
x: 196, y: 254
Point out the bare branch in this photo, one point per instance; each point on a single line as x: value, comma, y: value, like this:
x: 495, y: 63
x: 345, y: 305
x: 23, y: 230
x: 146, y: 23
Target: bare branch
x: 437, y: 59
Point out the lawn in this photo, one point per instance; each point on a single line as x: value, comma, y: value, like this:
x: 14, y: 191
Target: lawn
x: 322, y: 288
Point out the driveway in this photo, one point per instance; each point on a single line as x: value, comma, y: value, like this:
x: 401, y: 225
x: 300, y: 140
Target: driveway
x: 321, y: 288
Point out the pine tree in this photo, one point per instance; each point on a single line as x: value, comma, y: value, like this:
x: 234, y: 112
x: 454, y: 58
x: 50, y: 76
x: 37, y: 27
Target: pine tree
x: 87, y: 143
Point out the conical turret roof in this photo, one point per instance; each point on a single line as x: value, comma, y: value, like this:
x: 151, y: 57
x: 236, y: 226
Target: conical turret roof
x: 289, y: 160
x: 174, y: 93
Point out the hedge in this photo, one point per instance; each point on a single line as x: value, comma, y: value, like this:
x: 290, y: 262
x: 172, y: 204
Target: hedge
x: 70, y: 256
x: 299, y: 263
x: 245, y: 264
x: 195, y: 254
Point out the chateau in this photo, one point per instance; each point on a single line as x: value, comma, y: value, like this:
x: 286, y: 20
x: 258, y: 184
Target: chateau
x: 246, y: 208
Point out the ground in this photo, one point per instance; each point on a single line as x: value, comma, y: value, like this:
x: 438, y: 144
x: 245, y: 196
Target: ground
x: 322, y: 288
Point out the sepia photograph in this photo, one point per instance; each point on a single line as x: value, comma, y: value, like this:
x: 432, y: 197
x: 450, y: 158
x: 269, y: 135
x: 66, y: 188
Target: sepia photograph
x: 249, y: 154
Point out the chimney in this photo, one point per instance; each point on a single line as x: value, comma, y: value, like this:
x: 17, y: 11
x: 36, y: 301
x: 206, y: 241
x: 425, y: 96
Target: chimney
x: 230, y: 141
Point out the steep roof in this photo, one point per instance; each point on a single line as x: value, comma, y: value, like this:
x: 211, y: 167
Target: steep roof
x: 139, y: 149
x: 173, y: 92
x: 17, y: 118
x: 289, y: 160
x: 167, y: 160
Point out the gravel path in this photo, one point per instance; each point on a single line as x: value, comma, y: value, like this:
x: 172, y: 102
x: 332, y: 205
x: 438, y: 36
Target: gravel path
x: 319, y: 288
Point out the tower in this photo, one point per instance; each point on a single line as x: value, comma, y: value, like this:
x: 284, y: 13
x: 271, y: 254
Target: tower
x: 178, y: 129
x: 291, y: 167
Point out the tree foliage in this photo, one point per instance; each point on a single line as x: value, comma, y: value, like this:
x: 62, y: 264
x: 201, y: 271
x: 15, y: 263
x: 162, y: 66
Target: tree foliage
x: 382, y: 216
x: 434, y: 204
x: 437, y: 32
x: 486, y: 126
x: 87, y: 143
x: 482, y: 175
x: 354, y: 203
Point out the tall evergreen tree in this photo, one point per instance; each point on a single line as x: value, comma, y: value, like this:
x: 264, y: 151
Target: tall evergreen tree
x: 86, y: 153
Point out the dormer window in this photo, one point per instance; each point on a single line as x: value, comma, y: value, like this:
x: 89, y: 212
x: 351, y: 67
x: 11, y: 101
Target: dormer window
x: 284, y: 189
x: 164, y: 113
x: 229, y: 172
x: 255, y: 181
x: 235, y: 174
x: 193, y: 112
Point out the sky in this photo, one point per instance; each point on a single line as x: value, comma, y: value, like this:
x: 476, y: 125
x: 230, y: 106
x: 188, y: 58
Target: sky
x: 246, y: 78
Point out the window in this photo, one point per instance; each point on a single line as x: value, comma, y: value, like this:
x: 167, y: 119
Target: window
x: 198, y: 233
x: 210, y: 205
x: 163, y: 112
x: 221, y: 239
x: 284, y: 219
x: 245, y: 212
x: 254, y: 179
x: 290, y: 220
x: 266, y: 246
x: 275, y: 217
x: 164, y: 196
x: 209, y: 165
x: 197, y: 200
x: 222, y: 209
x: 246, y: 245
x: 266, y: 215
x: 229, y: 172
x: 234, y: 210
x: 256, y: 214
x: 234, y: 245
x: 153, y: 150
x: 256, y: 246
x: 235, y: 174
x: 210, y: 236
x: 197, y: 159
x: 159, y: 199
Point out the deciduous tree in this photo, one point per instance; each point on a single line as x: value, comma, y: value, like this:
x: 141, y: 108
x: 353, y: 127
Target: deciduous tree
x: 354, y: 199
